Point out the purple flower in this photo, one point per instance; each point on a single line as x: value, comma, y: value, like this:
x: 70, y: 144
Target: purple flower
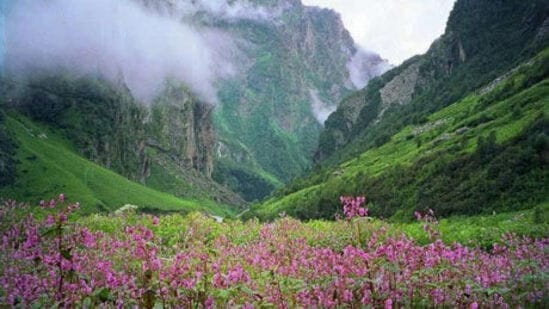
x: 388, y: 304
x: 352, y: 206
x: 50, y: 220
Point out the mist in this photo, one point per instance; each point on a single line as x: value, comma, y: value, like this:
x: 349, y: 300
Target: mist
x: 320, y: 110
x: 118, y: 39
x: 365, y: 65
x: 233, y: 10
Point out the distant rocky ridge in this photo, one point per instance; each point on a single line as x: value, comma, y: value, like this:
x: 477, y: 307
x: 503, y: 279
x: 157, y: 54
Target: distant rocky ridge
x: 168, y: 146
x: 467, y: 56
x: 296, y: 64
x: 293, y: 63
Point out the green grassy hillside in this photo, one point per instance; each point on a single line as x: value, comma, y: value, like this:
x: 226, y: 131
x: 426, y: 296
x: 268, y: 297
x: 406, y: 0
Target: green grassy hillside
x: 482, y: 40
x: 48, y: 165
x: 265, y: 123
x: 487, y: 152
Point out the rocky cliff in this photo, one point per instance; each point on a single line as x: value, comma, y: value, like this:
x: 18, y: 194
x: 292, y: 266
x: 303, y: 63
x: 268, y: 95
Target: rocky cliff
x: 181, y: 127
x: 481, y: 42
x: 172, y: 137
x: 296, y: 63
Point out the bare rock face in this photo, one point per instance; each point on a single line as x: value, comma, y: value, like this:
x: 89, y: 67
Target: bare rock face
x: 400, y: 89
x: 180, y: 141
x: 181, y: 127
x: 468, y: 56
x: 294, y: 65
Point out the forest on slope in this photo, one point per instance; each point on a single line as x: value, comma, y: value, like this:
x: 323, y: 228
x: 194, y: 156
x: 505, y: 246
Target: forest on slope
x: 461, y: 129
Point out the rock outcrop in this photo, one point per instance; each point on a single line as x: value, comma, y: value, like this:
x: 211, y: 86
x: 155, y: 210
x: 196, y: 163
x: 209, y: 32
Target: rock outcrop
x: 466, y: 57
x: 174, y: 136
x: 181, y: 127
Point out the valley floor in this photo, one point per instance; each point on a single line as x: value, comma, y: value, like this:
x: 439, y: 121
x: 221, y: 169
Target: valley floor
x: 129, y: 259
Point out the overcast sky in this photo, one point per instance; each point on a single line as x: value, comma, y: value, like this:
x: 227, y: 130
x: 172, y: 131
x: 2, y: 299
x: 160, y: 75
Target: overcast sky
x: 396, y: 29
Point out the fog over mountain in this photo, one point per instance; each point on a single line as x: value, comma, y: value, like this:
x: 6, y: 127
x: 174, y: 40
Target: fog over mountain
x: 365, y: 65
x: 232, y: 10
x: 275, y: 70
x: 118, y: 39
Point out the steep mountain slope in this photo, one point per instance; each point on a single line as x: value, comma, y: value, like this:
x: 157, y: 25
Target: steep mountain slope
x: 167, y: 146
x: 290, y: 65
x: 487, y: 152
x: 421, y: 135
x: 7, y: 153
x: 482, y: 41
x: 48, y: 164
x: 295, y: 66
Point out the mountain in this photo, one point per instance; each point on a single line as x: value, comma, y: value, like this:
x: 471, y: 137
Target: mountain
x: 296, y: 63
x: 47, y: 164
x: 167, y: 146
x: 239, y: 111
x: 482, y: 41
x: 461, y: 129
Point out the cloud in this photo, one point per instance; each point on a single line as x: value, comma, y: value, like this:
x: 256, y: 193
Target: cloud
x: 320, y: 110
x: 233, y: 10
x: 118, y: 39
x: 396, y: 29
x: 365, y: 65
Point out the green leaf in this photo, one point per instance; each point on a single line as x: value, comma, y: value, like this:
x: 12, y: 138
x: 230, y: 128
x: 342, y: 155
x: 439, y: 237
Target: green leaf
x: 223, y: 294
x: 103, y: 294
x: 247, y: 290
x: 87, y: 303
x: 48, y: 231
x: 66, y: 254
x: 158, y: 305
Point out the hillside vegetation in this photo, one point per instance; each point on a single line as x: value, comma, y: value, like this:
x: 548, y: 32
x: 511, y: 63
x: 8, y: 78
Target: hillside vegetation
x: 193, y: 261
x: 266, y: 121
x: 482, y: 41
x: 48, y: 164
x: 487, y: 152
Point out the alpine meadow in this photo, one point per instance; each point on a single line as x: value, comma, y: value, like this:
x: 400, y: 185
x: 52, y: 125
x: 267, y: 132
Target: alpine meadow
x: 274, y: 154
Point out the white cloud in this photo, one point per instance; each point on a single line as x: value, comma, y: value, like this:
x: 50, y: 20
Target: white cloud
x: 365, y: 65
x: 396, y: 29
x: 320, y: 110
x: 232, y: 9
x: 117, y: 38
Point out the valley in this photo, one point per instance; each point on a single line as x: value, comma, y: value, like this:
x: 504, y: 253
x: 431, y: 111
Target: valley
x: 252, y: 154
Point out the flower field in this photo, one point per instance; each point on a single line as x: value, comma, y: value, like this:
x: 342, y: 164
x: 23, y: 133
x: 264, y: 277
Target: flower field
x: 194, y: 262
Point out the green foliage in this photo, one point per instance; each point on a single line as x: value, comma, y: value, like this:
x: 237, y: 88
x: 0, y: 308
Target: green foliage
x: 265, y: 119
x: 472, y: 231
x: 483, y: 231
x: 240, y: 179
x: 47, y: 166
x: 7, y: 154
x: 483, y: 40
x: 102, y: 121
x: 484, y: 153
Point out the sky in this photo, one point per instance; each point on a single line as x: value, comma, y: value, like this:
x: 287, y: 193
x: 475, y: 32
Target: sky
x: 395, y: 29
